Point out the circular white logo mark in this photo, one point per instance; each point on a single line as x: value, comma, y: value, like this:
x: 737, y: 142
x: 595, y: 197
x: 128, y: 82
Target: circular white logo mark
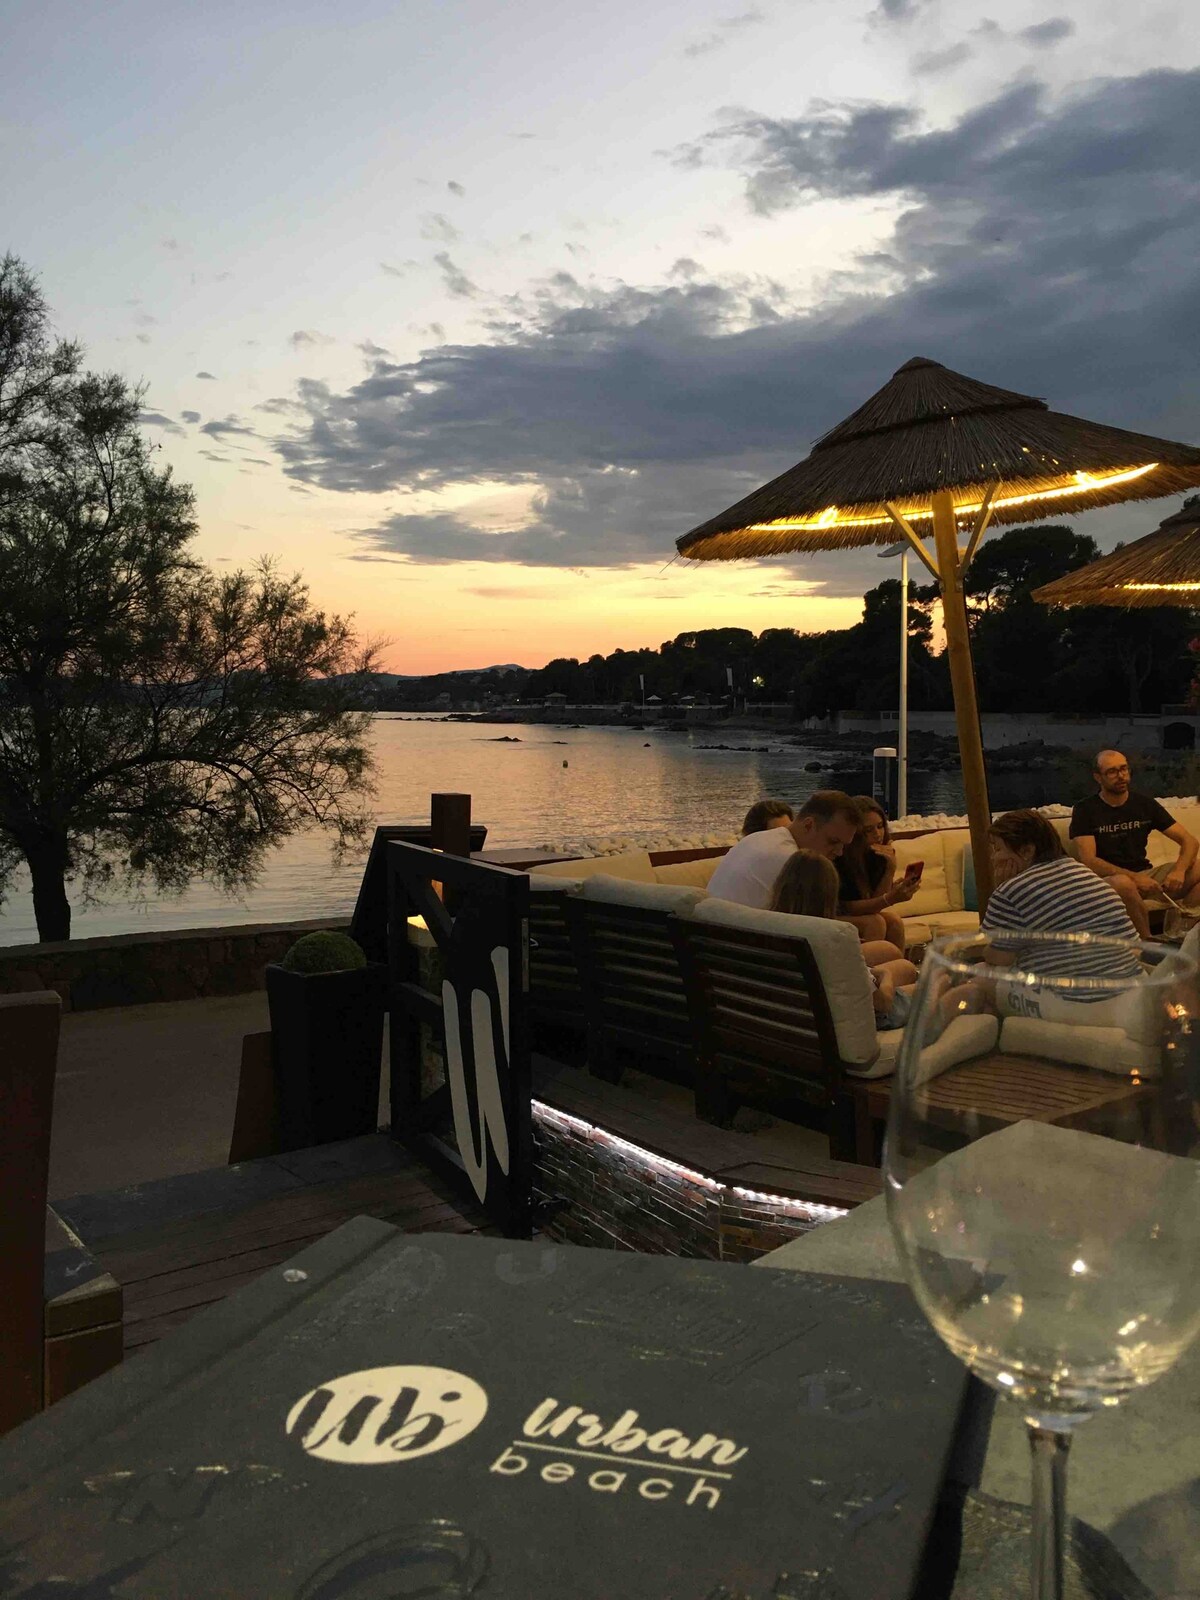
x: 387, y: 1414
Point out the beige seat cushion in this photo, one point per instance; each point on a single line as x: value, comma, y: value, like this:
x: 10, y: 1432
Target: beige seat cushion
x: 1103, y: 1049
x: 934, y: 893
x: 940, y: 922
x: 545, y: 883
x: 694, y: 874
x: 634, y: 868
x: 669, y: 897
x: 838, y: 955
x: 965, y: 1038
x: 955, y: 843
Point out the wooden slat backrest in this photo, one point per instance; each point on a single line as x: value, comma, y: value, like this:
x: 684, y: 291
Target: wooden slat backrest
x: 759, y: 1000
x: 29, y: 1026
x: 632, y: 983
x: 554, y: 985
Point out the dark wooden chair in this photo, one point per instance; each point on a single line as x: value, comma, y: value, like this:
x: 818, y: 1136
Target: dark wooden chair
x: 557, y: 1017
x: 636, y: 1008
x: 28, y: 1054
x: 60, y: 1313
x: 763, y: 1030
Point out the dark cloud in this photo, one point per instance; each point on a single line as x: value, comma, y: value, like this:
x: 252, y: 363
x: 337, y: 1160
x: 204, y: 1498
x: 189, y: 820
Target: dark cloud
x: 943, y: 60
x: 456, y: 188
x: 455, y: 279
x: 143, y: 338
x: 308, y: 338
x: 190, y: 416
x: 371, y: 350
x: 438, y: 228
x: 1049, y: 32
x: 1043, y: 246
x: 155, y: 419
x: 211, y: 375
x: 396, y: 272
x: 895, y: 11
x: 221, y: 428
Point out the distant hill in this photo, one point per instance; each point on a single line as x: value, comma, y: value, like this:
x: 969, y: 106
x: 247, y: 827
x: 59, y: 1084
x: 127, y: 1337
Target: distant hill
x: 452, y: 672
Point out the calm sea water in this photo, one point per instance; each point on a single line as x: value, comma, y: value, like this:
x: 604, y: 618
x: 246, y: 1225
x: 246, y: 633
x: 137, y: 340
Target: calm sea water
x: 617, y: 783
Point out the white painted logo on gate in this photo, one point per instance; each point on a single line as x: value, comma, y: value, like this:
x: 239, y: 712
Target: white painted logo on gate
x: 387, y: 1414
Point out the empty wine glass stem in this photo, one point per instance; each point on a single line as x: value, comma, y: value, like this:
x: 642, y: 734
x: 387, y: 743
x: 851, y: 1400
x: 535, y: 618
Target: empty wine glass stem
x: 1049, y: 1530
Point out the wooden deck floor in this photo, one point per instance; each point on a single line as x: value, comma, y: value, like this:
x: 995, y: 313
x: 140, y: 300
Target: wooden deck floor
x: 181, y: 1244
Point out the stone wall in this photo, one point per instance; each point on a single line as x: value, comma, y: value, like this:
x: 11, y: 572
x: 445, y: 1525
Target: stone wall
x: 622, y: 1198
x: 133, y: 969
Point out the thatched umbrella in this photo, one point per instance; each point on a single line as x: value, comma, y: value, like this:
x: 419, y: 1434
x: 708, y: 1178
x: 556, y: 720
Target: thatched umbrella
x: 936, y: 450
x: 1163, y: 569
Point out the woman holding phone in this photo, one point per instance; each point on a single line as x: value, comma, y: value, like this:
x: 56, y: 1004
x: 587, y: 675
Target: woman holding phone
x: 866, y: 872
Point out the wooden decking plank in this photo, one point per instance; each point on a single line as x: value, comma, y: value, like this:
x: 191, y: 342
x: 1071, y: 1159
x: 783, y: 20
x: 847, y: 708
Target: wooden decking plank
x: 285, y: 1210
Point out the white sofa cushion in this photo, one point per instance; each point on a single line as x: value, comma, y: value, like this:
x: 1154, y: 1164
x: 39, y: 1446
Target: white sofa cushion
x: 939, y: 922
x: 934, y: 893
x: 544, y: 883
x: 1103, y: 1049
x: 634, y: 868
x: 964, y: 1038
x: 955, y: 844
x: 838, y: 955
x: 694, y: 874
x: 670, y: 897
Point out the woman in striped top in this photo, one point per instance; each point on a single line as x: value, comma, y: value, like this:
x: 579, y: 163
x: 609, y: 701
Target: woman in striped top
x: 1040, y: 889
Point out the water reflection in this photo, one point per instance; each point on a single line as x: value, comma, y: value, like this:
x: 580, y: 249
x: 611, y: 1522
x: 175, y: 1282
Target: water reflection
x: 616, y: 782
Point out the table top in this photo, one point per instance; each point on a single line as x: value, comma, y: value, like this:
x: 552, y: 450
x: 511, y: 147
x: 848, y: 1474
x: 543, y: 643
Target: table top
x: 1134, y: 1471
x: 393, y: 1415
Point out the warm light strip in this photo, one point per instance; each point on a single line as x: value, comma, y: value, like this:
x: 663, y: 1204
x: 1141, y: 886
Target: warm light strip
x: 1174, y: 588
x: 812, y: 1208
x: 1083, y: 483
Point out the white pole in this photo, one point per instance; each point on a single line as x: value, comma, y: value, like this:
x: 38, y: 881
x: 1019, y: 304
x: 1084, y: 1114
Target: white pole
x: 902, y: 743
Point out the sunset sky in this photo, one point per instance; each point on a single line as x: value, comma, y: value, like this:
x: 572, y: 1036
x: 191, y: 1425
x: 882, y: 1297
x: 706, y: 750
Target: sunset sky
x: 467, y: 309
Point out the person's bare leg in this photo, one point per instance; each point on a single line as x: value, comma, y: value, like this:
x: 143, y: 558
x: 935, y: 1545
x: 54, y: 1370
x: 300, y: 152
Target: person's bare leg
x: 902, y: 973
x: 1131, y: 898
x: 893, y: 929
x: 876, y: 952
x: 870, y: 928
x: 1191, y: 887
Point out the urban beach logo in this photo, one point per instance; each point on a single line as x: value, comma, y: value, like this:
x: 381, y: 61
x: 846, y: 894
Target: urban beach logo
x: 387, y: 1414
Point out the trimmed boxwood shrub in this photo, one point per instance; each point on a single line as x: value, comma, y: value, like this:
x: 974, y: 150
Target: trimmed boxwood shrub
x: 324, y: 952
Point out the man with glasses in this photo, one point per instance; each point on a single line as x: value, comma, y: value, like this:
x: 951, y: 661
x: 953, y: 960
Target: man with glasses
x: 1110, y: 830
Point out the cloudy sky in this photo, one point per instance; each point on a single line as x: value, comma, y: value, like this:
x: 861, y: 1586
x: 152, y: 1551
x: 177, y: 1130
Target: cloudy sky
x: 468, y: 309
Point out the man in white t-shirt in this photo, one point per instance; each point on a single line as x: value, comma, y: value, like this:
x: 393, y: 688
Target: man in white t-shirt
x: 825, y: 823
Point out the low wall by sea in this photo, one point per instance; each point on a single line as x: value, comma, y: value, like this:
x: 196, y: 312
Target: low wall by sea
x: 133, y: 969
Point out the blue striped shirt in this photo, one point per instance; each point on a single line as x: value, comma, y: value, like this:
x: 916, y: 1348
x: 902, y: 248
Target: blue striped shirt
x: 1061, y: 896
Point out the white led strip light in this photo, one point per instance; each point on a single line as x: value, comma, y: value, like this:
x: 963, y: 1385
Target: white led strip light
x: 812, y: 1208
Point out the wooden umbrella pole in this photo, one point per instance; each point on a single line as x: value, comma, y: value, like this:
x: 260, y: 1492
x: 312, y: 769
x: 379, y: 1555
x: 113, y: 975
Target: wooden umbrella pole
x: 962, y: 681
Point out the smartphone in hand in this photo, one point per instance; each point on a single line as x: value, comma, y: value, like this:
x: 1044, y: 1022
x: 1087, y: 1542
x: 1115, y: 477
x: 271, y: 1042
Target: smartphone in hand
x: 913, y: 871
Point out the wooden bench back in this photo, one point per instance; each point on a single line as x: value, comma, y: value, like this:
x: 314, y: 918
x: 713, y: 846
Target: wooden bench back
x: 632, y: 985
x: 555, y: 990
x: 29, y: 1025
x: 763, y: 1025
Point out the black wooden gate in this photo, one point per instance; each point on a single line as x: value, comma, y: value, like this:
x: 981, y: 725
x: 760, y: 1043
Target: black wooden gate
x: 460, y: 1076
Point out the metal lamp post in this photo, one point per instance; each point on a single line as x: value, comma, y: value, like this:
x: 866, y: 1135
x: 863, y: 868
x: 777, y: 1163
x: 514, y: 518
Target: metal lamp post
x: 901, y: 550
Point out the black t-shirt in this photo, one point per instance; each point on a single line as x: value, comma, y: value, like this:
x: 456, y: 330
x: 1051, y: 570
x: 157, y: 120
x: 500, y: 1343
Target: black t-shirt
x: 1121, y: 832
x: 876, y: 867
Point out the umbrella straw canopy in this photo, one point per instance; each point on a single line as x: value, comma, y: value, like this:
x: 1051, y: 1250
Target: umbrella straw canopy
x: 933, y: 450
x: 1163, y: 569
x: 929, y: 429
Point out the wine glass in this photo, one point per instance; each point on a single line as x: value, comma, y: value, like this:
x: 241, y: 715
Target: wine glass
x: 1042, y: 1170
